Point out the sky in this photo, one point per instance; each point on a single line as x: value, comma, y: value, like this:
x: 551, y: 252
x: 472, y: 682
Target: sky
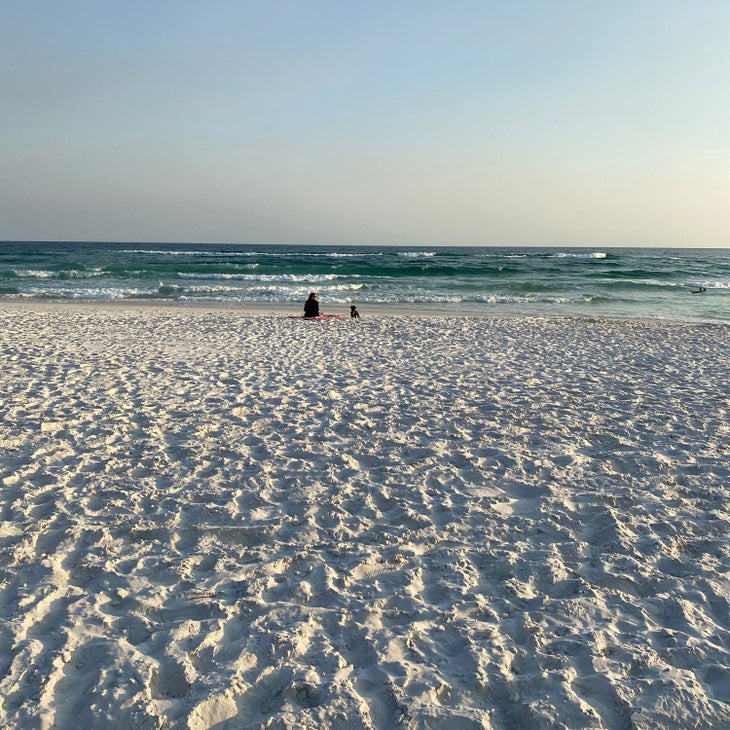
x: 569, y: 122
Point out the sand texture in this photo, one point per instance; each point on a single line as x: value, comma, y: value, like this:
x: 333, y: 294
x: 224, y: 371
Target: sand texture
x: 215, y: 519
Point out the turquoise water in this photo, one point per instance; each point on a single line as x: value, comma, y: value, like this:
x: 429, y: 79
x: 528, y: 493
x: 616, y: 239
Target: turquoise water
x: 611, y: 282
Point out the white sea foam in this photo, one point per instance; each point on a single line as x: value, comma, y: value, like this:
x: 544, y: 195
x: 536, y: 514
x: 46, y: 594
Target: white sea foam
x: 34, y: 274
x: 60, y: 274
x: 261, y: 277
x: 88, y: 293
x: 593, y: 255
x: 201, y: 253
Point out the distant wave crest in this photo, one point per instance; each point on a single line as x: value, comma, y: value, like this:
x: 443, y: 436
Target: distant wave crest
x: 592, y: 255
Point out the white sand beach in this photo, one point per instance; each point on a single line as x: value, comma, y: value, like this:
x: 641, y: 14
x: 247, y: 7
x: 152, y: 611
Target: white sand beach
x: 222, y: 519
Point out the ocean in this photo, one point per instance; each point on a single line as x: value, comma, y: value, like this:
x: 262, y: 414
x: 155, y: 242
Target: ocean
x: 600, y: 282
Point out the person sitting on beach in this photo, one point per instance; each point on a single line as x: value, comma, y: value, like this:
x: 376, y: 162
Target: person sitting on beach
x: 353, y: 312
x: 311, y: 306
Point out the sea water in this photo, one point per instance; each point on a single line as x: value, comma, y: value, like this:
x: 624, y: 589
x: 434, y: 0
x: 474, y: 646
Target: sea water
x: 598, y: 282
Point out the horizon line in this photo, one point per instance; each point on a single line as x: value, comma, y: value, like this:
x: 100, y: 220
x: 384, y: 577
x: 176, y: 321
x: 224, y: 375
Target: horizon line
x: 358, y: 245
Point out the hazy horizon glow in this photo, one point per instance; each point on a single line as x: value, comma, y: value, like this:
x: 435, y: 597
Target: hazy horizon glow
x: 466, y: 123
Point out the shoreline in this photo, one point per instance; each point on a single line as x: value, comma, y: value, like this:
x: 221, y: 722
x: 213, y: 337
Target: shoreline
x: 473, y: 522
x: 367, y: 311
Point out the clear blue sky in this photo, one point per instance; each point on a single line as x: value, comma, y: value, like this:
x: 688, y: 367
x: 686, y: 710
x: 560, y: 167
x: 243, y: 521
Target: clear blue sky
x: 349, y: 121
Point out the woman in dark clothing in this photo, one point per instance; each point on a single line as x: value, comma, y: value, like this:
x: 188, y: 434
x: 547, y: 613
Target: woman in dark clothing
x: 311, y: 306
